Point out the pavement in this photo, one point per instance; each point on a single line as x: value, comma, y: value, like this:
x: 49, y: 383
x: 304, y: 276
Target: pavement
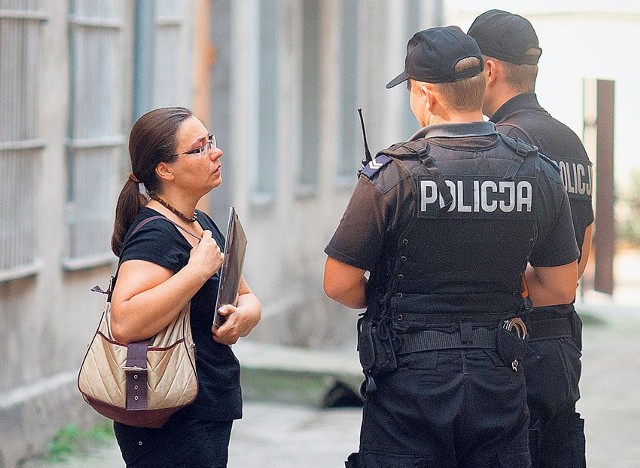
x: 289, y: 431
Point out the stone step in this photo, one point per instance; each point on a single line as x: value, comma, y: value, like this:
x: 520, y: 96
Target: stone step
x: 288, y: 374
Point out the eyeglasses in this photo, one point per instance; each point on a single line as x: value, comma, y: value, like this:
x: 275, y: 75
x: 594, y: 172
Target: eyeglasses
x: 204, y: 149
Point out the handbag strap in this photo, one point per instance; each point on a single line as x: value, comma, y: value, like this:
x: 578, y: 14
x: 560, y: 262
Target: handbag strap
x: 132, y: 232
x: 112, y: 282
x: 151, y: 218
x: 136, y: 375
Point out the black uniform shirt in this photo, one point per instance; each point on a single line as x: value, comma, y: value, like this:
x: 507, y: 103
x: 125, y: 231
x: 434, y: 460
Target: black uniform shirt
x: 382, y: 206
x: 523, y: 117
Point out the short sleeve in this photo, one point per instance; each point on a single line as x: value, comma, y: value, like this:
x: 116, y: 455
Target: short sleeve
x: 157, y: 242
x: 556, y: 244
x: 360, y: 235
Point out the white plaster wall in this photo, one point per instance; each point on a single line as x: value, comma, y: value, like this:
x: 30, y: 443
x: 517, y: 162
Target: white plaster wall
x: 586, y: 39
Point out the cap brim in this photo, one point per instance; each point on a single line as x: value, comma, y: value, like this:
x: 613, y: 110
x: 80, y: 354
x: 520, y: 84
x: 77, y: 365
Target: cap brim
x: 397, y: 80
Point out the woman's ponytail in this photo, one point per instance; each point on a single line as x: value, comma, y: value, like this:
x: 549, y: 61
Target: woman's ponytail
x: 130, y: 202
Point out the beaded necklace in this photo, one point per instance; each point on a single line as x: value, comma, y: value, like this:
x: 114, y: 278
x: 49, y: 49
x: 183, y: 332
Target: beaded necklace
x: 178, y: 213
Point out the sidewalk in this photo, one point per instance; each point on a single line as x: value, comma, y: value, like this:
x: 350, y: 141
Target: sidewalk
x: 287, y: 431
x: 277, y: 435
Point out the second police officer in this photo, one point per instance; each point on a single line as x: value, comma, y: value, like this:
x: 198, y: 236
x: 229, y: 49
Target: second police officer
x: 509, y: 44
x: 433, y: 243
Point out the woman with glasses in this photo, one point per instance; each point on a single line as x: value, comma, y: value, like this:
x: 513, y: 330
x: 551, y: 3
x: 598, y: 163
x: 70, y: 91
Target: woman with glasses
x: 167, y: 262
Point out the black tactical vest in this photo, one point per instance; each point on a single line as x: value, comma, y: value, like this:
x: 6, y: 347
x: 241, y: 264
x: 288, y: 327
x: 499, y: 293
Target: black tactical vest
x: 471, y: 230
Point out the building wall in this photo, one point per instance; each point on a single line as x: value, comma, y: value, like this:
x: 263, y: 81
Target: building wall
x: 281, y: 82
x: 290, y: 222
x: 47, y: 312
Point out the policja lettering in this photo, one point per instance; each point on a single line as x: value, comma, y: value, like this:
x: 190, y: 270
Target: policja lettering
x: 576, y: 178
x: 477, y: 196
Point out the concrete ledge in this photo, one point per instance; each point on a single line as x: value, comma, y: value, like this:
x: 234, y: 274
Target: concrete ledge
x: 31, y: 416
x: 296, y: 375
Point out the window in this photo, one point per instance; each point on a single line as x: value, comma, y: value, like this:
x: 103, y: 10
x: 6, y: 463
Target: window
x: 350, y: 137
x: 172, y: 68
x: 163, y: 71
x: 20, y: 148
x: 95, y: 141
x: 413, y: 24
x: 265, y: 165
x: 311, y: 104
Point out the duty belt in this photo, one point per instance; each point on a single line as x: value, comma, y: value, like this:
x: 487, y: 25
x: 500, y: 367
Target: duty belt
x: 545, y: 328
x: 468, y: 337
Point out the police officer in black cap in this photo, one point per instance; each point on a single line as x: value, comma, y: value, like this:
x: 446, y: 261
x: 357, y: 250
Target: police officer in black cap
x: 511, y: 51
x: 433, y: 243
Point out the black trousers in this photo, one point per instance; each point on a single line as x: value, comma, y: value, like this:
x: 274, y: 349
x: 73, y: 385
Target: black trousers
x: 552, y: 370
x: 446, y: 408
x: 181, y: 443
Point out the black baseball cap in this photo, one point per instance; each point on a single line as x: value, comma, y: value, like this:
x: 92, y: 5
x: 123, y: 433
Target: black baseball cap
x: 432, y: 56
x: 505, y: 36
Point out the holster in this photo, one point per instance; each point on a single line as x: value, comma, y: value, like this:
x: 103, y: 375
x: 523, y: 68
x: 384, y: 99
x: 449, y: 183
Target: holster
x: 375, y: 345
x: 510, y: 347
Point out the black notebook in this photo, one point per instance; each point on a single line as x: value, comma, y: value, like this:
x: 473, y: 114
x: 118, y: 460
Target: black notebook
x: 231, y: 270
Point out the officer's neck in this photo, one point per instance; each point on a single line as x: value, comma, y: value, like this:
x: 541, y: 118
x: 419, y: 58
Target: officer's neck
x: 455, y: 117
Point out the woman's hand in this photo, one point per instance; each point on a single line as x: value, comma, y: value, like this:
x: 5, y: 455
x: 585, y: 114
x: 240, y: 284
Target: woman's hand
x: 238, y: 320
x: 206, y: 256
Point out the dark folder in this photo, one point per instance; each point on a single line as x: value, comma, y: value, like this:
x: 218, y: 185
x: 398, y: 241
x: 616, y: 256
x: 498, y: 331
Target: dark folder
x: 231, y: 270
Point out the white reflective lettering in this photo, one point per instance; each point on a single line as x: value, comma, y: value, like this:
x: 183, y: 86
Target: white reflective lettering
x: 565, y: 174
x: 485, y: 196
x: 579, y: 183
x: 576, y: 177
x: 488, y: 205
x: 508, y: 188
x: 574, y: 168
x: 428, y: 193
x: 524, y: 196
x: 452, y: 189
x: 461, y: 206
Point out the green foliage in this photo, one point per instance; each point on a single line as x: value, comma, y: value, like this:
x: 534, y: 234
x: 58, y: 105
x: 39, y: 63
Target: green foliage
x: 73, y: 440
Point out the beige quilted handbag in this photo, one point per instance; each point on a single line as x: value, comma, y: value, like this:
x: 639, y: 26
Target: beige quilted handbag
x: 141, y: 384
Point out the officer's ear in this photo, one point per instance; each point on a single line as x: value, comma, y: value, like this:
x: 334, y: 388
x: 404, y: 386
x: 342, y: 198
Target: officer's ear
x: 423, y: 89
x: 492, y: 69
x: 430, y: 94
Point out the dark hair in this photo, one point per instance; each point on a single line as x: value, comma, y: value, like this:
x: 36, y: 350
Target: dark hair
x: 152, y: 141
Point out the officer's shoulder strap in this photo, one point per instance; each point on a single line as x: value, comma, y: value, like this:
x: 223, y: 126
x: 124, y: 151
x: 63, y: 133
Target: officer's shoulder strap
x: 372, y: 167
x: 523, y: 150
x: 398, y: 151
x: 551, y: 162
x: 519, y: 148
x: 421, y: 149
x: 413, y: 148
